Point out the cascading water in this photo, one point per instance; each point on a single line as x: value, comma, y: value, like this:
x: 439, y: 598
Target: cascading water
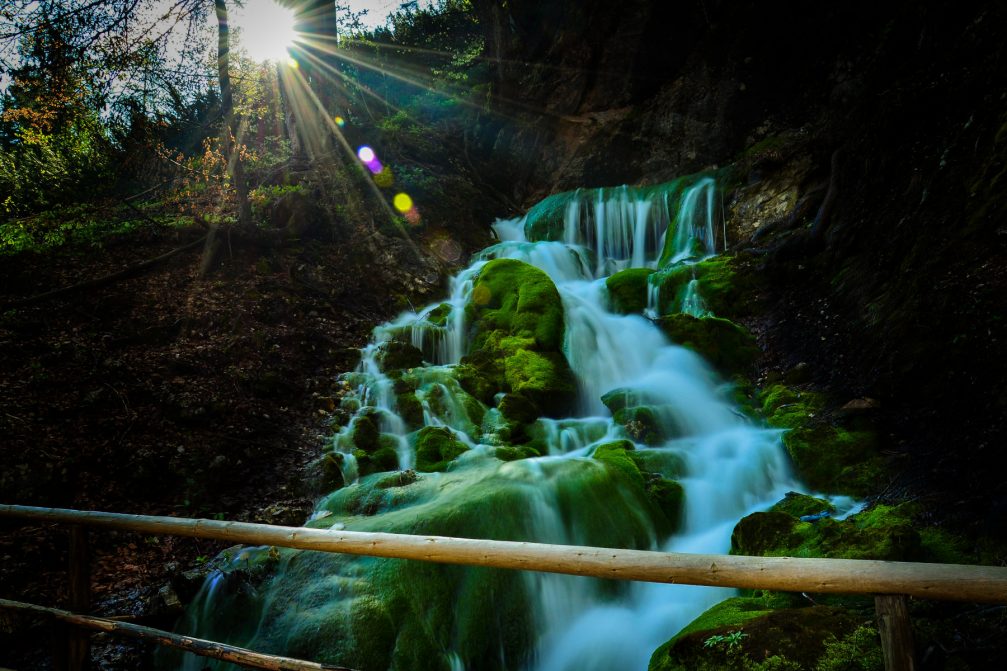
x: 388, y: 614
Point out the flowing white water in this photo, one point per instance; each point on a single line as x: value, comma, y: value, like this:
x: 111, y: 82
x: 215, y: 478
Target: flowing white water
x: 727, y: 466
x: 731, y: 467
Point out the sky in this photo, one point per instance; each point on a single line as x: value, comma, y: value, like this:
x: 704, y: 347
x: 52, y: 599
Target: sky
x: 265, y: 26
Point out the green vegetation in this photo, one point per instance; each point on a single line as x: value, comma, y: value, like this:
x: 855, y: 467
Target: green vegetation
x: 517, y: 319
x: 627, y: 290
x: 730, y: 348
x: 379, y: 613
x: 827, y: 456
x: 436, y: 448
x: 729, y: 285
x: 877, y: 534
x: 764, y: 634
x: 397, y: 355
x: 545, y: 220
x: 799, y: 505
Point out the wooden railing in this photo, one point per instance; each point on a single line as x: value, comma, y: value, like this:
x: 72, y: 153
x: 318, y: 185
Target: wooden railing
x: 889, y: 582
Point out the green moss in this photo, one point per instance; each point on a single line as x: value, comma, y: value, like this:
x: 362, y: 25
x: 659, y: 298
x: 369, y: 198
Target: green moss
x: 827, y: 457
x: 615, y: 455
x: 518, y: 409
x: 622, y: 398
x: 668, y: 495
x: 436, y: 448
x: 729, y: 285
x: 397, y: 355
x: 365, y: 433
x: 473, y: 382
x: 410, y: 410
x: 627, y: 290
x: 513, y: 453
x: 545, y: 220
x: 728, y: 614
x: 729, y: 348
x: 517, y: 318
x: 439, y: 315
x: 798, y: 505
x: 880, y: 533
x: 642, y: 424
x: 859, y: 650
x: 739, y: 634
x: 376, y: 462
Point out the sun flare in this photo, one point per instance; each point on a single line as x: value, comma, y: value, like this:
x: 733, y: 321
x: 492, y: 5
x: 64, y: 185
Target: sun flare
x: 267, y: 30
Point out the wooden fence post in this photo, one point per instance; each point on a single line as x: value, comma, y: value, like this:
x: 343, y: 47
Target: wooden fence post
x: 78, y: 640
x: 896, y: 632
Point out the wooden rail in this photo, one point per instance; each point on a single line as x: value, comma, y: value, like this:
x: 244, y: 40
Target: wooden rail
x: 946, y: 582
x: 198, y: 646
x: 889, y: 582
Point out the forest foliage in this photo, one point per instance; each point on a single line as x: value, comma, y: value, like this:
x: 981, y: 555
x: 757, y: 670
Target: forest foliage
x: 103, y: 101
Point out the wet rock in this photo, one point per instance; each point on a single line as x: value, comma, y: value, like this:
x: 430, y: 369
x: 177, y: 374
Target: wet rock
x: 728, y: 347
x: 799, y: 374
x: 627, y: 290
x: 397, y: 355
x: 517, y: 318
x: 436, y: 448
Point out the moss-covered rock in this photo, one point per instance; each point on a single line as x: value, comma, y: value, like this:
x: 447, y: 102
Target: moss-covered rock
x: 473, y: 382
x: 517, y: 319
x: 439, y: 315
x: 515, y: 452
x: 644, y: 424
x: 748, y: 634
x: 372, y: 613
x: 799, y: 505
x: 410, y: 410
x: 728, y: 347
x: 880, y: 533
x: 624, y: 397
x: 397, y: 355
x: 826, y: 456
x: 627, y: 290
x: 729, y: 286
x: 365, y: 433
x: 436, y: 448
x: 380, y: 460
x: 518, y: 409
x: 666, y: 494
x: 545, y: 220
x: 615, y: 455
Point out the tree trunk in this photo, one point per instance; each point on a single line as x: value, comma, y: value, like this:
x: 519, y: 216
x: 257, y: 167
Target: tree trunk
x: 231, y: 146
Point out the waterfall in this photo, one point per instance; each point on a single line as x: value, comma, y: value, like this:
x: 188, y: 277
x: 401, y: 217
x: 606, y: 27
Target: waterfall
x: 727, y: 467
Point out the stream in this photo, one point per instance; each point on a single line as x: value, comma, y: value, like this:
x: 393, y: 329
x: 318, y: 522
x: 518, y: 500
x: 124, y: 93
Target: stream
x: 379, y: 613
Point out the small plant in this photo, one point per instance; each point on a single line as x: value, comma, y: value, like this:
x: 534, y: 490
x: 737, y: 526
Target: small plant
x: 731, y: 641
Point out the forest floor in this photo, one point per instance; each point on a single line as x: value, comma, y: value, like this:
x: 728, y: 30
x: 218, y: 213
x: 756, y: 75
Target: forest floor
x: 167, y: 394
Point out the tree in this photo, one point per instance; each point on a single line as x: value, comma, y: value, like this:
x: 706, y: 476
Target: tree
x: 232, y: 123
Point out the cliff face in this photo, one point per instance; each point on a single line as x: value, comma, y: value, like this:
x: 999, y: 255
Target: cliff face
x: 868, y: 145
